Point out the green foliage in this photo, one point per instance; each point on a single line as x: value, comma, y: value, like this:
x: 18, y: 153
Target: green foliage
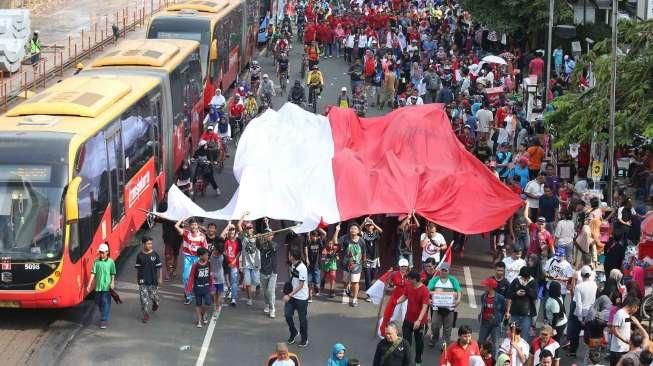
x: 578, y: 114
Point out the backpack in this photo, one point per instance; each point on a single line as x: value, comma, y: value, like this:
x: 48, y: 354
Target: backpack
x: 315, y: 78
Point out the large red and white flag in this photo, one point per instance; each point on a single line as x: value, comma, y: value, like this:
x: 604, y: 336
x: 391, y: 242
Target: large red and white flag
x: 295, y: 165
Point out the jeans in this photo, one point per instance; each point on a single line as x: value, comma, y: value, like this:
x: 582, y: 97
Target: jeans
x: 493, y: 331
x: 348, y: 54
x: 289, y: 311
x: 442, y: 321
x: 103, y: 301
x: 329, y: 49
x: 337, y: 47
x: 370, y: 275
x: 189, y: 260
x: 269, y: 286
x: 233, y: 282
x: 522, y: 242
x: 524, y: 322
x: 573, y: 329
x: 408, y: 332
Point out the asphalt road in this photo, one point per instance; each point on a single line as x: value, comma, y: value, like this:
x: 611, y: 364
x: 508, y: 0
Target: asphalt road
x: 241, y: 335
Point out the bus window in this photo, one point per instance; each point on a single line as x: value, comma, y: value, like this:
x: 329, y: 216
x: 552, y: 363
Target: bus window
x: 176, y: 88
x: 93, y: 195
x: 155, y: 120
x: 117, y: 174
x: 136, y: 138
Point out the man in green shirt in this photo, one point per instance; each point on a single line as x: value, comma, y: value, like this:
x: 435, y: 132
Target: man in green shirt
x: 443, y: 313
x: 103, y: 274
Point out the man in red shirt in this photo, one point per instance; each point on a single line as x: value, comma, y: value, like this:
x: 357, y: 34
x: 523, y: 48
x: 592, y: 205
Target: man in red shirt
x: 541, y: 239
x: 231, y: 258
x: 536, y: 67
x: 236, y: 111
x: 417, y: 315
x: 460, y: 352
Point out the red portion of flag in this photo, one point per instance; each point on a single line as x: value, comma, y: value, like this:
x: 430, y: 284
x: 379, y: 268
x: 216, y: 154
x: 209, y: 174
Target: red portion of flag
x: 411, y: 159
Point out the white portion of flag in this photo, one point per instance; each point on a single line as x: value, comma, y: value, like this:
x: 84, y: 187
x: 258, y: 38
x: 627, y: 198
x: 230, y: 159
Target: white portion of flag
x: 375, y: 292
x: 283, y: 165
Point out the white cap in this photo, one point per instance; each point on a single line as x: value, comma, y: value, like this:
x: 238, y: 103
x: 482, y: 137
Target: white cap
x: 202, y: 143
x: 103, y: 248
x: 344, y: 88
x: 209, y: 128
x: 403, y: 262
x: 265, y: 75
x: 586, y: 271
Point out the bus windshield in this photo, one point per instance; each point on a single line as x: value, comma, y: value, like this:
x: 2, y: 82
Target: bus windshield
x: 31, y: 190
x: 194, y: 29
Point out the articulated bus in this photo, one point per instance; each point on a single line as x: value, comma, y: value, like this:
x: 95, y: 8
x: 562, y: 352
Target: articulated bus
x: 176, y: 63
x: 226, y: 30
x: 80, y: 163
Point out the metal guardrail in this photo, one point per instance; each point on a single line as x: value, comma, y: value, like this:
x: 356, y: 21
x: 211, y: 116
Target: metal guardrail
x: 92, y: 42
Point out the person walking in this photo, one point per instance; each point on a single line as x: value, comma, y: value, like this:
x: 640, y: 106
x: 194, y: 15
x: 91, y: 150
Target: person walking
x: 392, y: 350
x: 217, y: 264
x: 462, y: 351
x: 103, y: 274
x: 493, y: 307
x: 268, y: 248
x: 250, y: 260
x: 337, y: 356
x: 417, y: 314
x: 371, y: 236
x: 200, y: 283
x: 148, y: 275
x: 520, y: 301
x: 583, y: 300
x: 296, y: 299
x: 444, y: 314
x: 193, y: 240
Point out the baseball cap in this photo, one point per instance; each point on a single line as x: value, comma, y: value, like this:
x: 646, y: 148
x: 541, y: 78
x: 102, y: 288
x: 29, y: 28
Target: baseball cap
x: 560, y: 252
x: 103, y: 248
x: 344, y: 88
x: 403, y: 262
x: 444, y: 266
x: 210, y: 128
x: 585, y: 271
x: 541, y: 219
x: 489, y: 282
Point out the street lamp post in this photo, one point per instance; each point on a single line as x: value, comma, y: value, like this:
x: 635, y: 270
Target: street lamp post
x: 613, y: 97
x: 547, y: 57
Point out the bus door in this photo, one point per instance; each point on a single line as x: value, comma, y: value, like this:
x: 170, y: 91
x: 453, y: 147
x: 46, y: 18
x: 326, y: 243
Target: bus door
x: 117, y: 174
x: 157, y: 131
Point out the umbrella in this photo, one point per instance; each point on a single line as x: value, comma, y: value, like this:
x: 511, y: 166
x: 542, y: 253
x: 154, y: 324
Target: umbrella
x: 507, y: 56
x: 491, y: 59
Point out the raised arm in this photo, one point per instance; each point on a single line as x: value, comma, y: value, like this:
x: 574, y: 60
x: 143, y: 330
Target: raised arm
x: 180, y: 230
x: 223, y: 234
x: 335, y: 234
x: 239, y: 227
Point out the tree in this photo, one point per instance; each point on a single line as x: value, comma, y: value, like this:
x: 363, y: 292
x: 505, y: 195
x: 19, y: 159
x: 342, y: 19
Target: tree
x: 577, y: 114
x: 520, y: 19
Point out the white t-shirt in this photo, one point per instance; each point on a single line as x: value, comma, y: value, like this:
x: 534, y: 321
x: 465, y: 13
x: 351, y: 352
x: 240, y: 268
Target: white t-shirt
x: 623, y: 326
x: 302, y: 275
x: 514, y: 359
x: 484, y: 117
x: 283, y: 363
x: 559, y: 268
x: 565, y: 232
x: 362, y: 41
x: 431, y: 250
x: 350, y: 41
x: 535, y: 188
x: 512, y: 267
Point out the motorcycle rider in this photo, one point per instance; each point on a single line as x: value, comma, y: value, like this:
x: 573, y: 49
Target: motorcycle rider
x: 297, y: 94
x: 204, y: 167
x: 255, y: 73
x: 214, y: 145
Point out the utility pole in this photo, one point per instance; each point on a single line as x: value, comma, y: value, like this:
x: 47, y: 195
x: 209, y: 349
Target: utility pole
x: 613, y: 97
x: 547, y: 57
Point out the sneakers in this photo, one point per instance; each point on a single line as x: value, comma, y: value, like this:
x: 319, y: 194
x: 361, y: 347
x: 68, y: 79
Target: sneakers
x: 310, y: 300
x: 146, y: 317
x: 266, y: 309
x: 292, y: 338
x: 250, y: 302
x: 199, y: 324
x: 187, y: 301
x: 205, y: 319
x: 368, y: 299
x: 155, y: 307
x: 233, y: 303
x: 103, y: 324
x: 217, y: 191
x: 303, y: 344
x: 353, y: 304
x: 272, y: 315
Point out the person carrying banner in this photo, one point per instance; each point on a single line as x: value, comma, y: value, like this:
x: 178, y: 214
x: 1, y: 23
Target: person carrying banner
x: 445, y: 293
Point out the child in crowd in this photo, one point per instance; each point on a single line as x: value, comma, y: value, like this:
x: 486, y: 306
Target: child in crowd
x: 216, y: 261
x: 330, y: 266
x: 200, y: 283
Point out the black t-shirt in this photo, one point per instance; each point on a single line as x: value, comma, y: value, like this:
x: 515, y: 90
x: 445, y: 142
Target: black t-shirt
x: 314, y: 249
x: 268, y: 257
x: 371, y: 247
x: 355, y: 72
x: 202, y: 275
x: 147, y: 268
x: 502, y: 287
x: 212, y: 242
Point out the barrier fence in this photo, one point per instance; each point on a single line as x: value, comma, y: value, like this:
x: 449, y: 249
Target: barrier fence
x: 56, y: 58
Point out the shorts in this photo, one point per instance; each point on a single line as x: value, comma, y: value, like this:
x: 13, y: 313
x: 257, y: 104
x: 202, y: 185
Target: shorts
x: 251, y: 277
x: 170, y: 250
x: 203, y: 297
x: 219, y: 288
x: 330, y: 276
x: 351, y: 277
x: 314, y: 276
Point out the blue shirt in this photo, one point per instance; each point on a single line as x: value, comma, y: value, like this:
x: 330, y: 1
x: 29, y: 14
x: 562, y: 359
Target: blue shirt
x: 522, y: 173
x: 557, y: 56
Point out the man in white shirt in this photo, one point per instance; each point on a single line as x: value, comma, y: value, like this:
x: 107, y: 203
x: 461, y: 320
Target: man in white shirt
x: 432, y: 243
x: 484, y: 117
x: 584, y: 297
x: 559, y: 269
x: 513, y: 264
x: 534, y: 190
x: 515, y: 346
x: 564, y: 234
x: 297, y: 298
x: 620, y: 329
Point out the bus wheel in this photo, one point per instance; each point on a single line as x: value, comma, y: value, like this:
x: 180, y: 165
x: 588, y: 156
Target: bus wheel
x: 153, y: 209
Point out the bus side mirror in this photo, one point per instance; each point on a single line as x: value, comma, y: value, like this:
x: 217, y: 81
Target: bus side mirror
x: 213, y: 53
x: 70, y: 201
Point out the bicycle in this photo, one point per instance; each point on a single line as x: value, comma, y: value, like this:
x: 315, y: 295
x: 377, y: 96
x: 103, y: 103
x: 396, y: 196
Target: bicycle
x: 283, y: 81
x: 313, y: 94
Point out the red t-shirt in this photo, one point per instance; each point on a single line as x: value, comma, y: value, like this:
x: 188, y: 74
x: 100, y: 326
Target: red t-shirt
x: 191, y: 244
x: 417, y: 298
x: 536, y: 67
x: 459, y: 356
x: 488, y: 309
x: 399, y: 283
x: 231, y: 252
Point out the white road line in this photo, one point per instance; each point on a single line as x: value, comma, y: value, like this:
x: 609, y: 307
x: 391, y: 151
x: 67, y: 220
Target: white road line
x: 470, y: 287
x: 207, y: 339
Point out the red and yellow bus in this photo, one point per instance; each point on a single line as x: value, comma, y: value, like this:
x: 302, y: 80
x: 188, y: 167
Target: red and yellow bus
x: 176, y: 63
x: 80, y: 163
x: 226, y: 30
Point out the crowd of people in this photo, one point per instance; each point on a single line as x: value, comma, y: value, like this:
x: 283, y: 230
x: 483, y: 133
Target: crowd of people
x: 560, y: 262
